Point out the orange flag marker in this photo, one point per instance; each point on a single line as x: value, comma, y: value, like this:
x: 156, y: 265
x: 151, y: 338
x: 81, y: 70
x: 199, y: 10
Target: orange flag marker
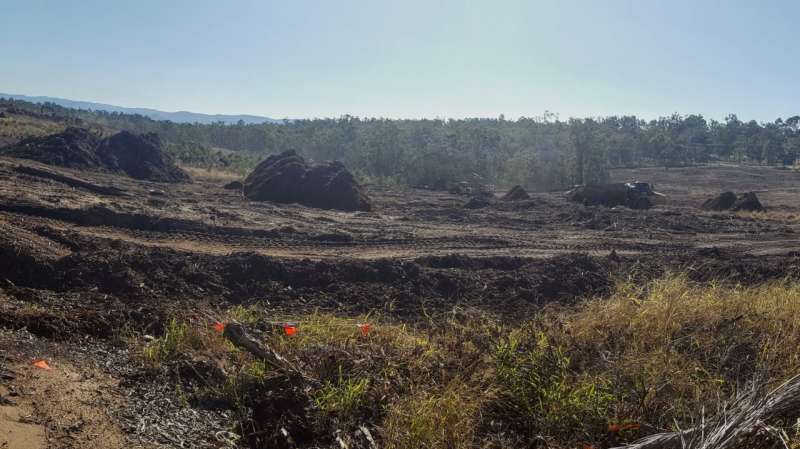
x: 289, y: 329
x: 364, y: 328
x: 219, y: 327
x: 631, y: 426
x: 41, y: 364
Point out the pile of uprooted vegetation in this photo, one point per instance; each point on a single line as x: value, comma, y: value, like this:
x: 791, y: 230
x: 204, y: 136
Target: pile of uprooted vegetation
x: 73, y: 148
x: 517, y: 193
x: 288, y: 178
x: 634, y: 195
x: 733, y: 202
x: 138, y: 156
x: 646, y: 361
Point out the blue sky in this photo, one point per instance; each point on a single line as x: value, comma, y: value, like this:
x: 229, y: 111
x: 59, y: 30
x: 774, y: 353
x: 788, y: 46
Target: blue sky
x: 409, y: 58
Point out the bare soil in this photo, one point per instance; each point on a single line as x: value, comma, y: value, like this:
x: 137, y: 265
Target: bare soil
x: 79, y: 264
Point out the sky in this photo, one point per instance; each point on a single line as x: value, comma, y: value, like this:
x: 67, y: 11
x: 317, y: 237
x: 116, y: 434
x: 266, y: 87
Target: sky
x: 410, y: 58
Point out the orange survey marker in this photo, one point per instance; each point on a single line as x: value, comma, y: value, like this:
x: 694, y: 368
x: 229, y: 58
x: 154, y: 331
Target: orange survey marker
x: 41, y: 364
x: 289, y: 329
x: 364, y: 328
x: 631, y: 426
x: 616, y: 428
x: 219, y: 327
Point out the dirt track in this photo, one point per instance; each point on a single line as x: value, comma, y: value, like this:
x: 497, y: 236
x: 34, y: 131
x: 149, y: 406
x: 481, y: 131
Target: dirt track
x: 78, y: 265
x: 205, y: 218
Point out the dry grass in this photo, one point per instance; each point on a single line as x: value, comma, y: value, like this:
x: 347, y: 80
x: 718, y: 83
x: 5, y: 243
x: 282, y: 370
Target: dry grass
x: 16, y: 127
x: 212, y: 175
x: 657, y: 356
x: 180, y: 339
x: 674, y: 348
x: 428, y: 419
x: 782, y: 216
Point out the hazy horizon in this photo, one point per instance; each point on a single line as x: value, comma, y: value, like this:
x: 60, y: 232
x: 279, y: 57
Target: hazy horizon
x: 415, y: 60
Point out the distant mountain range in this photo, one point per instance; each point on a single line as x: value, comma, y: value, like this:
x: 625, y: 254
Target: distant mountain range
x: 177, y: 117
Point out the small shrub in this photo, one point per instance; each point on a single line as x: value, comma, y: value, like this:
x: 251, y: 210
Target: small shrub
x: 342, y: 397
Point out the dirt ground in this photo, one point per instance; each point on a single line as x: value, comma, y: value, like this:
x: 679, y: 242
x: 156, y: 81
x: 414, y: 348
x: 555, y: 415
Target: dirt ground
x: 66, y: 405
x: 77, y: 267
x: 409, y: 223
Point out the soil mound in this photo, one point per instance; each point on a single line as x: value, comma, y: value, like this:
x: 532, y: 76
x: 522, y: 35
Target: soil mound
x: 73, y: 148
x: 277, y: 179
x: 287, y: 178
x: 461, y: 188
x: 632, y: 195
x: 140, y: 157
x: 748, y: 202
x: 730, y: 201
x: 517, y: 193
x: 723, y: 201
x: 477, y: 202
x: 233, y: 185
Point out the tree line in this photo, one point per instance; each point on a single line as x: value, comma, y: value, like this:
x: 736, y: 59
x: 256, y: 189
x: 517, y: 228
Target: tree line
x: 539, y: 152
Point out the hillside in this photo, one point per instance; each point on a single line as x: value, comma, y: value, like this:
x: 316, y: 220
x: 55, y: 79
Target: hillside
x: 177, y: 117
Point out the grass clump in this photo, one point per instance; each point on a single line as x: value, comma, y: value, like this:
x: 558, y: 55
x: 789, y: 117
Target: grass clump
x: 426, y: 419
x: 539, y: 392
x: 342, y: 397
x: 244, y: 314
x: 327, y: 330
x: 179, y: 339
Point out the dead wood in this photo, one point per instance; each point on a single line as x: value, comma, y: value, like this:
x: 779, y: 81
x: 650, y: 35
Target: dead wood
x: 239, y: 336
x: 747, y: 423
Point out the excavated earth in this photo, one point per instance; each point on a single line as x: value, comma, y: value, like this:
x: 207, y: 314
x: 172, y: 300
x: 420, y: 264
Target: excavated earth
x: 138, y: 156
x: 86, y: 254
x: 287, y: 178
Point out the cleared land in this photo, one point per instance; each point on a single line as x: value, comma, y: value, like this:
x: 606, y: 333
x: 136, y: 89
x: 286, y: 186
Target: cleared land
x: 96, y: 268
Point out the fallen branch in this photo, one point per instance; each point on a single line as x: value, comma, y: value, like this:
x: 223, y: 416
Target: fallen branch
x: 746, y: 424
x: 239, y: 336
